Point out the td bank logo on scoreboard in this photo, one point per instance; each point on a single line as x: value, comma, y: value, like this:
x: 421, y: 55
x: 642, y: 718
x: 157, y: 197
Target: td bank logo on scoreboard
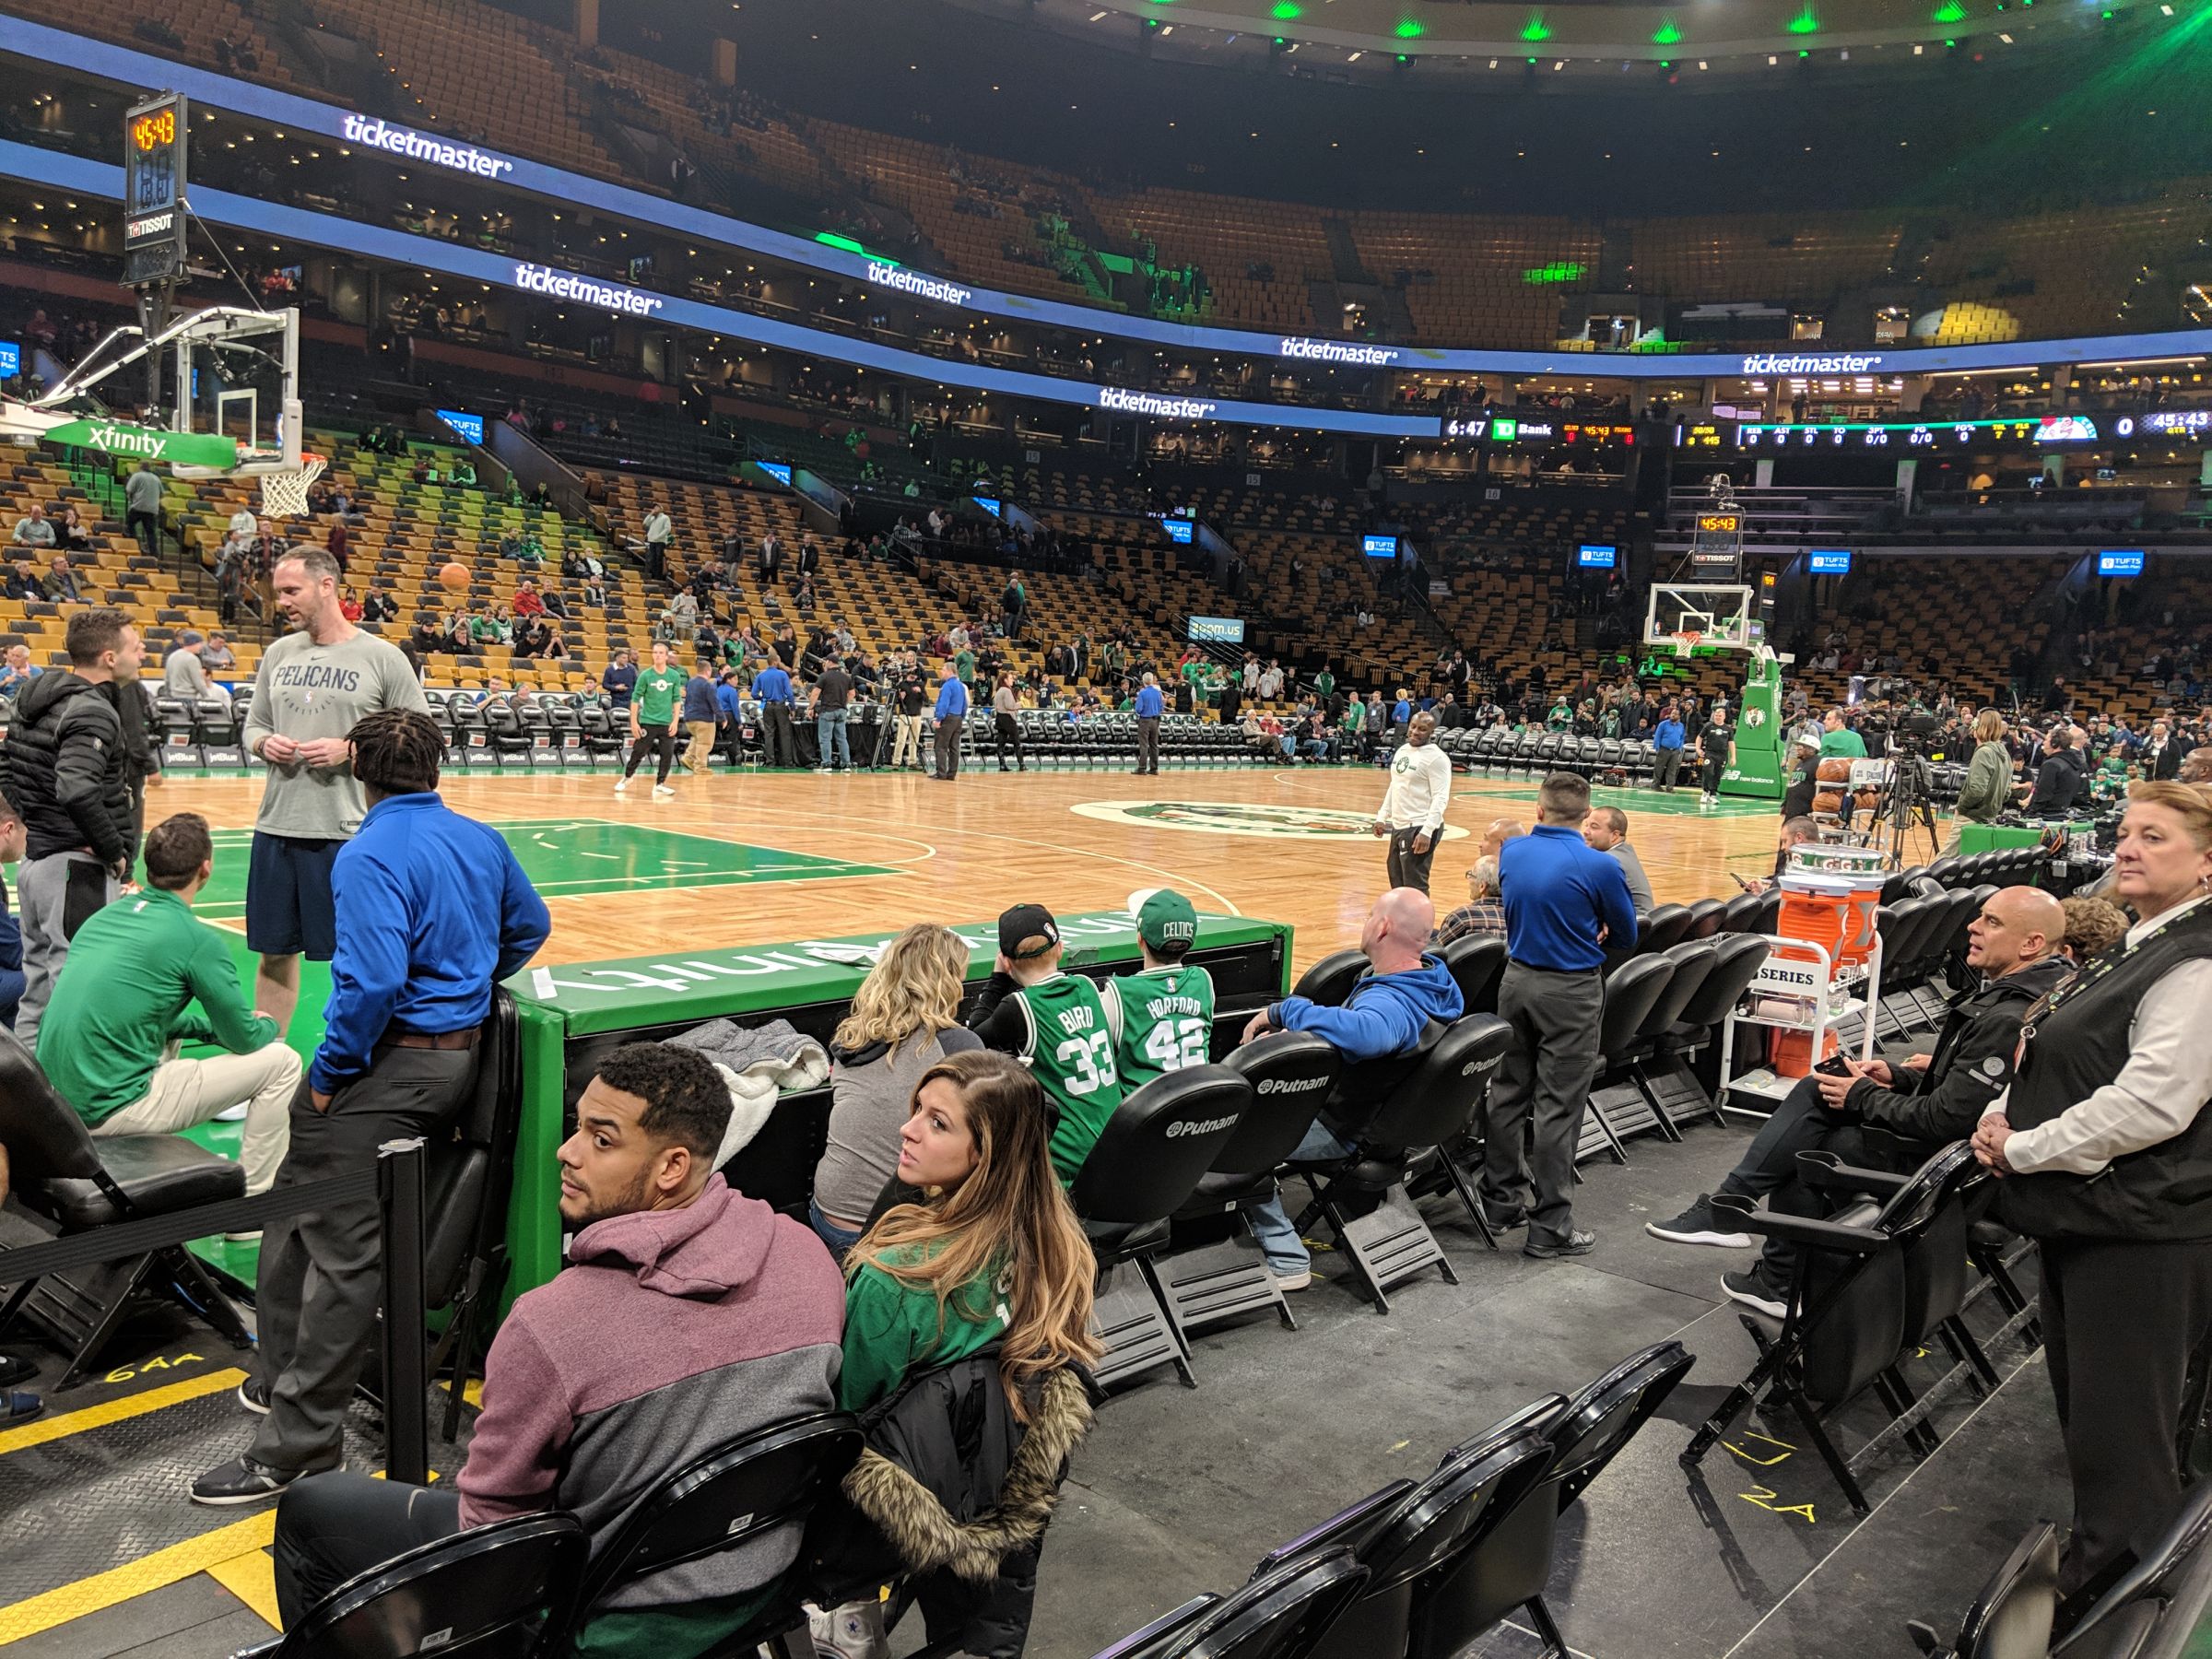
x: 1239, y: 818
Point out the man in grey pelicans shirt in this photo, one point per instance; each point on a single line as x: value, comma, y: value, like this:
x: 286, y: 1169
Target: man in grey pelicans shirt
x: 313, y: 684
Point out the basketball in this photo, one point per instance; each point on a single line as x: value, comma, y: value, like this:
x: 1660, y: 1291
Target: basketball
x: 454, y: 578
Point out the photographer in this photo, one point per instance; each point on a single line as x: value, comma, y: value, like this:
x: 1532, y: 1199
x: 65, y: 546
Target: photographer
x: 1988, y: 786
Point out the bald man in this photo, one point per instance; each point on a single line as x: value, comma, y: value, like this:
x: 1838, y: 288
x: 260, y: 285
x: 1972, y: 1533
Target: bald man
x: 1501, y: 831
x: 1384, y: 1015
x: 1928, y: 1101
x: 2196, y: 766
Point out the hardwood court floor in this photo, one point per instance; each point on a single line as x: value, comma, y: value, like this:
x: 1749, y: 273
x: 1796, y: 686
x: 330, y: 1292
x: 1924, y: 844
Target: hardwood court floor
x: 751, y: 858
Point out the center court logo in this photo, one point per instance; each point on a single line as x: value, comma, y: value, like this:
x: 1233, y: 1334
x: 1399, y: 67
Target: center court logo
x: 1239, y: 818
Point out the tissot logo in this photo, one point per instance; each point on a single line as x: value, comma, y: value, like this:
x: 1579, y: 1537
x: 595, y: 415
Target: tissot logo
x: 153, y: 224
x: 560, y: 285
x: 883, y: 275
x: 422, y: 146
x: 1200, y: 1127
x: 1841, y: 362
x: 1335, y: 351
x: 1152, y: 403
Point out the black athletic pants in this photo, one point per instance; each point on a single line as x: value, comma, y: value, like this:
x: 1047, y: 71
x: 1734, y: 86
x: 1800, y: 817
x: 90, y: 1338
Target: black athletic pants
x: 2121, y: 1319
x: 1768, y: 1169
x: 330, y: 1527
x: 1148, y: 744
x: 1408, y: 868
x: 1009, y: 731
x: 948, y: 745
x: 779, y: 744
x: 661, y: 742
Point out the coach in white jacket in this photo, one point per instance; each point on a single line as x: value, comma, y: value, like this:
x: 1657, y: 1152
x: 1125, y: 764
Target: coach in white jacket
x: 1413, y: 811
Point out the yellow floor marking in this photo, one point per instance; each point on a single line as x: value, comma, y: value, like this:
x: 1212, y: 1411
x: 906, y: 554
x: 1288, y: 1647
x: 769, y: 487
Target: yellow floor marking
x: 116, y: 1411
x: 156, y: 1571
x: 251, y: 1578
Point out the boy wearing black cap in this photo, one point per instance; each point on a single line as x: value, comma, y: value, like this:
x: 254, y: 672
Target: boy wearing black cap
x: 1162, y: 1017
x: 1055, y: 1024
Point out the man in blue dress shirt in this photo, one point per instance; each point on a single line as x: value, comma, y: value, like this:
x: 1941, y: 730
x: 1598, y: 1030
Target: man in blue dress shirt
x: 951, y: 717
x: 779, y: 744
x: 1149, y: 705
x: 1564, y: 901
x: 432, y: 913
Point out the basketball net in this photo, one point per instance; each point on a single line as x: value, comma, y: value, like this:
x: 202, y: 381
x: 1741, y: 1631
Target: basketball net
x: 1686, y: 643
x: 284, y: 493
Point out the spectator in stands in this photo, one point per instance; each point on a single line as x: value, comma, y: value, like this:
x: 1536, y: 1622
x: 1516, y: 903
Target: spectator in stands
x: 528, y: 602
x: 905, y: 1018
x: 18, y: 672
x: 655, y: 705
x: 349, y: 604
x: 2093, y: 926
x: 1838, y: 739
x: 688, y: 1315
x: 772, y: 556
x: 23, y: 581
x: 183, y: 675
x: 1928, y: 1099
x: 2062, y: 778
x: 1606, y: 829
x: 951, y: 715
x: 33, y: 529
x: 1564, y: 902
x: 1668, y: 739
x: 832, y: 705
x: 2101, y: 1139
x: 621, y: 676
x: 12, y: 839
x: 1055, y: 1024
x: 1384, y: 1014
x: 314, y: 685
x: 217, y: 655
x: 108, y: 1043
x: 72, y: 535
x: 1161, y: 1016
x: 65, y: 765
x: 1484, y: 912
x: 1412, y: 813
x: 142, y: 508
x: 991, y: 1255
x: 242, y: 525
x: 430, y: 912
x: 809, y: 562
x: 380, y: 607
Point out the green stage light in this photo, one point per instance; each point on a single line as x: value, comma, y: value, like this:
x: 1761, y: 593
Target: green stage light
x: 1807, y: 22
x: 1535, y: 29
x: 1285, y: 10
x: 1666, y: 34
x: 1409, y: 28
x: 1950, y: 11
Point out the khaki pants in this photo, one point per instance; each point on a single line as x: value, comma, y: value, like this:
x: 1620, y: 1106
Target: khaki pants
x: 702, y: 746
x: 907, y: 749
x: 185, y: 1093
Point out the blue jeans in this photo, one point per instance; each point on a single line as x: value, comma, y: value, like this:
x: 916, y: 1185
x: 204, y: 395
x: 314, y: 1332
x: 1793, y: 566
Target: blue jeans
x: 828, y: 723
x: 1271, y: 1225
x: 836, y: 1237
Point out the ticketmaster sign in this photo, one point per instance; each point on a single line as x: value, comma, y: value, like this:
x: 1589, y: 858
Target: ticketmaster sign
x: 1840, y: 362
x: 586, y: 290
x: 1335, y: 351
x: 1153, y: 403
x: 882, y: 274
x: 423, y: 147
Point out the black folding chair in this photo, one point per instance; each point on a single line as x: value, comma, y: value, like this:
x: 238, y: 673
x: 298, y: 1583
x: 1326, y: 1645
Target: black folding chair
x: 2158, y: 1610
x: 2011, y: 1618
x: 1279, y: 1615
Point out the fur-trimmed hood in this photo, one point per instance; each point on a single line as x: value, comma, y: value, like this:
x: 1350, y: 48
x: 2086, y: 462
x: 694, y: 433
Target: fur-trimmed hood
x: 917, y: 1521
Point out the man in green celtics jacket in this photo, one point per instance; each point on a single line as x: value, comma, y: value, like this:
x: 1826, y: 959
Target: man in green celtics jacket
x: 124, y: 1001
x: 1055, y: 1023
x: 1162, y: 1017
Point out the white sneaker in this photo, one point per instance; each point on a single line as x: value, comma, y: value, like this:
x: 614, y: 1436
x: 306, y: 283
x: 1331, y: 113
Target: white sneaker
x: 663, y: 789
x: 621, y: 785
x: 1289, y: 1282
x: 232, y: 1114
x: 852, y: 1631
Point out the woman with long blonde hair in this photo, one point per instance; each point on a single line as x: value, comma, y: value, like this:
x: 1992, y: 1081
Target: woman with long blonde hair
x: 905, y: 1018
x: 961, y: 1485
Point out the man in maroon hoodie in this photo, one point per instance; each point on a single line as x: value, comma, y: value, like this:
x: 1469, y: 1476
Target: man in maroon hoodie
x: 687, y: 1315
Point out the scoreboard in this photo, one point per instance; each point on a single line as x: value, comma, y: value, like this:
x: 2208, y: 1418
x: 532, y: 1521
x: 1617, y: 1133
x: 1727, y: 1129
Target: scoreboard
x: 153, y: 138
x: 1906, y: 437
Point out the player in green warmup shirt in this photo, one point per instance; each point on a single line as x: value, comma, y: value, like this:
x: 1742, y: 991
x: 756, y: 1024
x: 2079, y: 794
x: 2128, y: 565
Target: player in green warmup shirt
x: 1055, y: 1023
x: 1162, y: 1017
x: 655, y: 703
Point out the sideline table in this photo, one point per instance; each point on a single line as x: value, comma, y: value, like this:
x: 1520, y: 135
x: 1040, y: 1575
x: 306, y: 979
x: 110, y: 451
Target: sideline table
x: 571, y: 1014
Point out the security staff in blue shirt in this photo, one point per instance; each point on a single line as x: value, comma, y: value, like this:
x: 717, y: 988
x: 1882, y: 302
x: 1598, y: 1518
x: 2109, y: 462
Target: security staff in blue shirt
x: 432, y: 913
x: 1564, y: 900
x: 1149, y: 705
x: 1666, y: 748
x: 729, y: 712
x: 779, y: 744
x: 951, y: 716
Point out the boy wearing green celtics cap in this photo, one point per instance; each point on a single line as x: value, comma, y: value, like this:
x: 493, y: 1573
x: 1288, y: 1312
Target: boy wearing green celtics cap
x: 1162, y: 1017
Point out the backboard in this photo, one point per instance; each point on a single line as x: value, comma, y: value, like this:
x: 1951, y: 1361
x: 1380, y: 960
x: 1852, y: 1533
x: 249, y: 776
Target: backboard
x: 239, y: 377
x: 1688, y: 617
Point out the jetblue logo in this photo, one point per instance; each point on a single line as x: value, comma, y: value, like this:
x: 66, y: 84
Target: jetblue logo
x: 1204, y: 1126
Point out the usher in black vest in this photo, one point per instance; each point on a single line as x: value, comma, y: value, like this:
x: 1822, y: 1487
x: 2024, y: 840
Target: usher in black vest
x: 2073, y: 1045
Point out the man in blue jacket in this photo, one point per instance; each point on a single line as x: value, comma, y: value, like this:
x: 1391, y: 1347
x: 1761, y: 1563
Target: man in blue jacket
x: 11, y: 931
x: 952, y: 712
x: 1384, y: 1015
x: 1150, y: 704
x: 1564, y: 902
x: 1666, y: 748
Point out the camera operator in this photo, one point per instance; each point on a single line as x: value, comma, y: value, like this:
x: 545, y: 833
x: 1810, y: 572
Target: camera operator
x: 2062, y: 778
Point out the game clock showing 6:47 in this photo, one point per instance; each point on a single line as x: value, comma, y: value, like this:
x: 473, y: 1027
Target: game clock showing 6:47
x: 153, y: 204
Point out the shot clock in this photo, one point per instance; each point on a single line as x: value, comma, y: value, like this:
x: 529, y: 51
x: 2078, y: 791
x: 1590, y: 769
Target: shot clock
x: 154, y: 137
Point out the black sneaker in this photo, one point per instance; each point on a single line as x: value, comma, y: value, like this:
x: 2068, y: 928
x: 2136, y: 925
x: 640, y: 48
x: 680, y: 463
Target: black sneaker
x: 20, y: 1409
x: 1753, y: 1290
x: 242, y: 1480
x: 253, y: 1394
x: 1699, y: 1224
x: 1574, y: 1245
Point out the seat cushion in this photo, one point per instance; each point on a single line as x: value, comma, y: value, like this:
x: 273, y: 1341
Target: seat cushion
x: 158, y: 1174
x: 1117, y: 1240
x: 1220, y: 1189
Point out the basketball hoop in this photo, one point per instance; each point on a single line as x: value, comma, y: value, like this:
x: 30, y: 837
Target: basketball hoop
x: 284, y: 493
x: 1686, y: 643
